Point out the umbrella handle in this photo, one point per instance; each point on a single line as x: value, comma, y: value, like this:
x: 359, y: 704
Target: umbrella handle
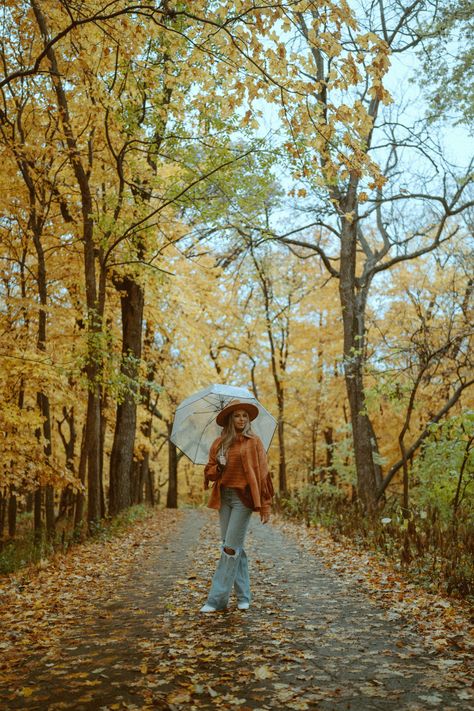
x: 221, y: 458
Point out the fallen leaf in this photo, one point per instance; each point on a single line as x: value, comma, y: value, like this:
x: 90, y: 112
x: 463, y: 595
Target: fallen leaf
x: 27, y: 691
x: 263, y: 672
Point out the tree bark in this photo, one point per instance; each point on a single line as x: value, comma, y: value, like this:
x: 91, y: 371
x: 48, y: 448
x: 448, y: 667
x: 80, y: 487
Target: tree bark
x: 282, y: 481
x: 150, y: 488
x: 3, y: 505
x: 172, y: 495
x: 146, y: 474
x: 353, y: 319
x: 80, y: 497
x: 136, y: 496
x: 12, y: 509
x: 92, y: 450
x: 37, y: 519
x: 42, y: 398
x: 66, y: 504
x: 278, y: 359
x: 49, y: 510
x: 329, y: 439
x: 140, y: 479
x: 149, y: 484
x: 132, y: 301
x: 103, y: 428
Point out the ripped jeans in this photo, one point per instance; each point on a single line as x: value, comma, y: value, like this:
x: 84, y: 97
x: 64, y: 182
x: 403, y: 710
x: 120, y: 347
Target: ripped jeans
x: 232, y: 570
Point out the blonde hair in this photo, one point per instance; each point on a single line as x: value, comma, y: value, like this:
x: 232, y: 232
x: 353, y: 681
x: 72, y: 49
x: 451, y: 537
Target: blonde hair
x: 229, y: 433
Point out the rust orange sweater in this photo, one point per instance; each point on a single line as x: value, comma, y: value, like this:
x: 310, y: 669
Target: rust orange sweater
x: 255, y: 469
x: 233, y: 474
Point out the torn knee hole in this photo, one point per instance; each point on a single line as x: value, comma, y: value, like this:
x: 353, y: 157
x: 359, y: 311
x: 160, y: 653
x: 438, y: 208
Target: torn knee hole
x: 229, y: 551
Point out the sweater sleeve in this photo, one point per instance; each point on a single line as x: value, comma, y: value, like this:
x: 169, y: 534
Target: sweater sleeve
x: 212, y: 470
x: 266, y: 485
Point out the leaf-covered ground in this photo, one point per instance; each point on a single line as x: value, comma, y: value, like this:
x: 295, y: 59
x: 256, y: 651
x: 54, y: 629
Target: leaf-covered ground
x: 116, y: 625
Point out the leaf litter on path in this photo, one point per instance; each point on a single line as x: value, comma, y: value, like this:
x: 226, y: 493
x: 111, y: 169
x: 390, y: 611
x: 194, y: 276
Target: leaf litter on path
x: 287, y: 652
x: 317, y: 635
x: 445, y: 624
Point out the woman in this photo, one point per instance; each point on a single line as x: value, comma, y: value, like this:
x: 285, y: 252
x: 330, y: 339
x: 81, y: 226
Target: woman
x: 238, y: 467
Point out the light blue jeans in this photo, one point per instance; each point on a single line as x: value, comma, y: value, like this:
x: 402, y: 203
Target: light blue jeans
x: 232, y: 570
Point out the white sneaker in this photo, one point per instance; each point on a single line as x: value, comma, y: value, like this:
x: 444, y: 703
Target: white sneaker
x: 243, y: 605
x: 207, y: 608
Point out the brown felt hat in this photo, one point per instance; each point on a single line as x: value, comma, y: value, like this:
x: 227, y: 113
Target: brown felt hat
x: 252, y: 411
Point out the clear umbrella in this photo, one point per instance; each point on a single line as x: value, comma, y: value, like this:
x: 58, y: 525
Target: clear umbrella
x: 195, y: 427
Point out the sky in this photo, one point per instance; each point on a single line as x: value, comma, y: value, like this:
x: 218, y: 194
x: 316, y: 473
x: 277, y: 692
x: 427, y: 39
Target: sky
x: 401, y: 81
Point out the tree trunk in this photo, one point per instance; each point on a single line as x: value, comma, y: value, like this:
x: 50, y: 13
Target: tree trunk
x: 312, y: 466
x: 49, y: 510
x: 92, y: 437
x: 329, y: 439
x: 103, y: 429
x: 3, y: 505
x: 282, y: 482
x: 43, y: 406
x: 136, y: 496
x: 172, y: 496
x: 362, y: 438
x: 29, y: 502
x: 132, y: 300
x: 35, y: 224
x: 353, y: 312
x: 146, y: 473
x: 149, y: 484
x: 406, y: 488
x: 375, y: 450
x: 12, y: 509
x: 142, y: 477
x: 465, y: 459
x: 38, y: 524
x: 80, y: 497
x: 278, y: 363
x: 93, y: 367
x: 66, y: 503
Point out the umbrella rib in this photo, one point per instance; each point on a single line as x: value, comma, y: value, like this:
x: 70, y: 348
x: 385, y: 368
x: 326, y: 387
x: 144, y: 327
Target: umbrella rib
x: 202, y: 433
x: 216, y: 405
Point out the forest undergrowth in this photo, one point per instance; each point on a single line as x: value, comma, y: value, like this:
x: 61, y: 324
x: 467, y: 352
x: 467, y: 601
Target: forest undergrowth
x: 24, y: 549
x: 430, y: 549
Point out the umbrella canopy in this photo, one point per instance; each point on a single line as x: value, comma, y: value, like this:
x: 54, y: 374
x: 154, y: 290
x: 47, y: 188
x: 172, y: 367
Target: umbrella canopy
x: 195, y: 427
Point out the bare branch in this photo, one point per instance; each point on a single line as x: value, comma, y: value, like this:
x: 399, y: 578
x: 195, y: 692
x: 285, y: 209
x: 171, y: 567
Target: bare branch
x: 412, y: 449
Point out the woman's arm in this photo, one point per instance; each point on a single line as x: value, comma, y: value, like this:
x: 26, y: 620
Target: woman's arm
x: 266, y: 485
x: 213, y: 469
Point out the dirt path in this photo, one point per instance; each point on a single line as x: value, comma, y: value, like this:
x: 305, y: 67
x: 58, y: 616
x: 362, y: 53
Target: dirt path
x: 311, y: 640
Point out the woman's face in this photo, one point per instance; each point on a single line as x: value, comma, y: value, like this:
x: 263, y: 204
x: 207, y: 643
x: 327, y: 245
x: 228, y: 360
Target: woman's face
x: 240, y: 418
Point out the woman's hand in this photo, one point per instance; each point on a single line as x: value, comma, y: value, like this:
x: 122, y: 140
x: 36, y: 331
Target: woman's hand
x: 265, y: 517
